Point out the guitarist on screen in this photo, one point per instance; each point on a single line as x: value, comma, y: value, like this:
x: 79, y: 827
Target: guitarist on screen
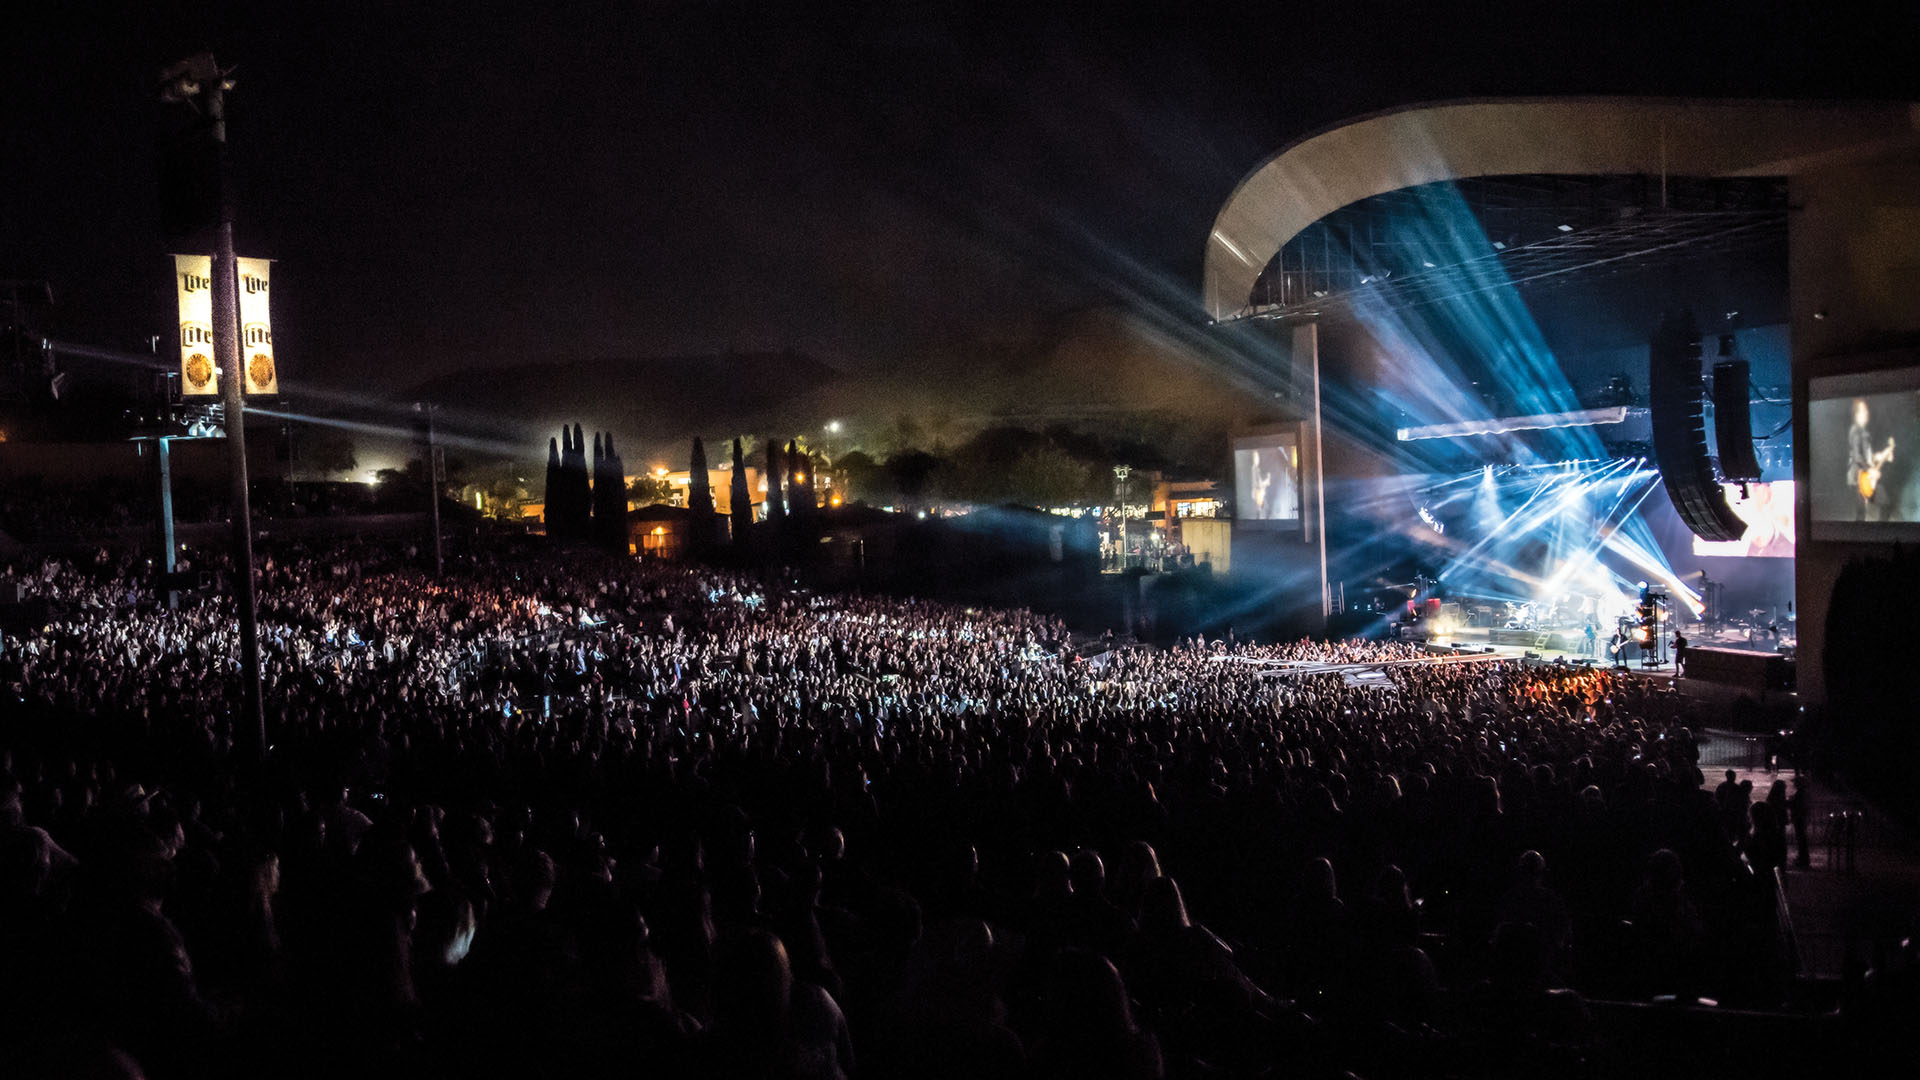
x: 1863, y: 464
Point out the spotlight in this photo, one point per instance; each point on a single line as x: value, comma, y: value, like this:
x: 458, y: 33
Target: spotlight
x: 1566, y: 228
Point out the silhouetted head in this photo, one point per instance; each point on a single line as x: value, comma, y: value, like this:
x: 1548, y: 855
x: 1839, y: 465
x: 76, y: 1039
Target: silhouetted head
x: 1052, y: 877
x: 753, y: 983
x: 1088, y: 873
x: 1317, y: 884
x: 1532, y: 866
x: 1163, y: 910
x: 1664, y: 870
x: 1088, y: 999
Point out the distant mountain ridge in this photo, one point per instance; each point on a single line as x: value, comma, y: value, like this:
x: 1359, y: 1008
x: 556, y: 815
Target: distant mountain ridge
x: 1098, y: 369
x: 641, y: 398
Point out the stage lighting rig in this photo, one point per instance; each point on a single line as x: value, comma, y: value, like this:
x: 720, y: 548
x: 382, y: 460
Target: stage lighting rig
x: 1647, y: 632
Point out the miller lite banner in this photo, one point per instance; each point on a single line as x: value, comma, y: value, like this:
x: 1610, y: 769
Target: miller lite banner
x: 199, y: 374
x: 256, y: 329
x: 199, y: 370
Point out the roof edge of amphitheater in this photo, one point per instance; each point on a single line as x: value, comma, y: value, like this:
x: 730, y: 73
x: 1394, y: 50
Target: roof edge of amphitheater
x: 1448, y: 140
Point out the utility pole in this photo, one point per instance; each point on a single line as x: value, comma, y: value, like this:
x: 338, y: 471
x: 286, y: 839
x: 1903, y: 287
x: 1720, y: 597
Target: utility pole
x: 200, y: 80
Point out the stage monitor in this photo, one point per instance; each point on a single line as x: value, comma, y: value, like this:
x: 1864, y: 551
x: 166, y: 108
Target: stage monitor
x: 1767, y: 508
x: 1864, y: 448
x: 1266, y: 479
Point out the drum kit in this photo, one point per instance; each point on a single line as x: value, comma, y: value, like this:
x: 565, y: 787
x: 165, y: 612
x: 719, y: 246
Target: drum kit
x: 1764, y: 626
x: 1571, y: 610
x: 1521, y: 617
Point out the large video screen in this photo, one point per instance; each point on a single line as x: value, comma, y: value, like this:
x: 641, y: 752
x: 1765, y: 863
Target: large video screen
x: 1863, y: 460
x: 1768, y: 511
x: 1266, y: 478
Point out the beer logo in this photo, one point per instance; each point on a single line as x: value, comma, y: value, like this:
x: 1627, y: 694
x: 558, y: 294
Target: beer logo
x: 199, y: 370
x: 260, y: 370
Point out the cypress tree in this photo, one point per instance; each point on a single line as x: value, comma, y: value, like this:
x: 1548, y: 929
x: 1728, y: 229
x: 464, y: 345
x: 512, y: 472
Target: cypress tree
x: 610, y: 506
x: 776, y: 477
x: 742, y: 499
x: 699, y: 498
x: 800, y: 484
x: 548, y: 514
x: 598, y: 473
x: 570, y: 455
x: 581, y: 490
x: 597, y: 501
x: 562, y: 527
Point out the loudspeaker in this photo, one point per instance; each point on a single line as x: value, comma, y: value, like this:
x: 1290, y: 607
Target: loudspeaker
x: 1733, y: 415
x: 1678, y: 412
x: 1755, y: 671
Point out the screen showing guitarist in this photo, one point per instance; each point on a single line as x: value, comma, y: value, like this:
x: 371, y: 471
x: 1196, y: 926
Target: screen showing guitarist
x: 1864, y: 463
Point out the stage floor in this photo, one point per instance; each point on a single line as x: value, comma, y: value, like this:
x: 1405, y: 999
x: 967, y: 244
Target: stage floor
x: 1477, y: 638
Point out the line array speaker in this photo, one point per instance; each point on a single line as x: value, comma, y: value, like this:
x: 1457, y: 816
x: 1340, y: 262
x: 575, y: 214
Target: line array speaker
x: 1678, y: 409
x: 1733, y: 415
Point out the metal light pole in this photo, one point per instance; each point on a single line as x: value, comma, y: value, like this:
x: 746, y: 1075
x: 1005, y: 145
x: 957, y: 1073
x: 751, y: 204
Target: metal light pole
x: 201, y: 78
x: 168, y: 553
x: 436, y: 476
x: 1120, y: 496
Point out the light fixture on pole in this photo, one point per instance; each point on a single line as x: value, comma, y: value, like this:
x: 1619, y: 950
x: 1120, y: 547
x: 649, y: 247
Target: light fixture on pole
x: 199, y: 83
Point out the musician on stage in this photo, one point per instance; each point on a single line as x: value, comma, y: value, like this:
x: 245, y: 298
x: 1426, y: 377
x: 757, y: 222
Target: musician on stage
x: 1863, y: 464
x: 1593, y: 642
x: 1679, y: 654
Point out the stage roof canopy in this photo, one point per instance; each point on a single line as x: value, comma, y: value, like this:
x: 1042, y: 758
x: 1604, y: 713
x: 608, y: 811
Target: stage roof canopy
x: 1632, y: 179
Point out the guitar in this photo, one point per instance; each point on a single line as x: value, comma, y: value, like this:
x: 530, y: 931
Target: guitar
x: 1869, y: 477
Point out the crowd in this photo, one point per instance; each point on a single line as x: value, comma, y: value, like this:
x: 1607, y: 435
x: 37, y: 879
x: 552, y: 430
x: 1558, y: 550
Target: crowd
x: 33, y: 510
x: 560, y: 815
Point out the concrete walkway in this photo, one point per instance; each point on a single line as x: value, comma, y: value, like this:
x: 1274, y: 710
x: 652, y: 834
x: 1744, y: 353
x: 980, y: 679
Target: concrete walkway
x: 1849, y: 899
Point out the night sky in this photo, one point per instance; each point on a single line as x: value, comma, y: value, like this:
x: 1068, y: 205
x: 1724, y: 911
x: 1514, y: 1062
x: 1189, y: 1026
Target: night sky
x: 478, y: 184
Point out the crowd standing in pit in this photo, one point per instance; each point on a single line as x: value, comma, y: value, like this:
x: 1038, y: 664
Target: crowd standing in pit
x: 561, y: 815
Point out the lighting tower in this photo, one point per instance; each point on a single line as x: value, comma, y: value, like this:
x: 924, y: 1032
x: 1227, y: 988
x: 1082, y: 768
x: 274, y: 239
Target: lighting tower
x: 1648, y: 632
x: 1120, y: 497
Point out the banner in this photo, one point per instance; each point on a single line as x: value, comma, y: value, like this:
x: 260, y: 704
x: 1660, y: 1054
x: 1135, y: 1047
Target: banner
x: 256, y: 329
x: 199, y: 374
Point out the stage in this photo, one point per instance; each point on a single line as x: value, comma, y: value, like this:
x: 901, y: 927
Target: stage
x: 1725, y: 667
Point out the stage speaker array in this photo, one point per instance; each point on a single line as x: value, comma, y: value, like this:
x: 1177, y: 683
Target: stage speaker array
x: 1678, y: 408
x: 1733, y: 415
